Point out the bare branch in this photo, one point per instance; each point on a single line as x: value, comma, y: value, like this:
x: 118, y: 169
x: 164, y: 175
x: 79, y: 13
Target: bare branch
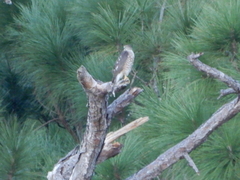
x: 232, y: 83
x: 174, y: 154
x: 81, y: 161
x: 115, y: 135
x: 97, y: 125
x: 109, y: 150
x: 224, y: 92
x: 122, y: 101
x: 191, y: 163
x: 90, y: 84
x: 44, y: 124
x: 112, y: 149
x: 223, y: 114
x: 64, y: 167
x: 162, y: 11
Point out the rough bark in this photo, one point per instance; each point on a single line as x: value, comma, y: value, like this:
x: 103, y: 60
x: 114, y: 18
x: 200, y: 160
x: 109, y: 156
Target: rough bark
x: 178, y: 151
x: 182, y: 149
x: 122, y: 101
x: 112, y: 148
x: 97, y: 125
x: 86, y: 156
x: 229, y: 81
x: 80, y: 163
x: 224, y: 92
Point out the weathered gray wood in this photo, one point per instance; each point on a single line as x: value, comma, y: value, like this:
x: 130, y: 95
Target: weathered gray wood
x: 213, y: 72
x: 80, y: 163
x: 97, y: 125
x: 177, y: 152
x: 174, y: 154
x: 112, y: 136
x: 94, y: 136
x: 112, y: 148
x: 224, y: 92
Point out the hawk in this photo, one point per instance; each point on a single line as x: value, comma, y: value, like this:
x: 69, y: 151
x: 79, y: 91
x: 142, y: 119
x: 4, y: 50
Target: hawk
x: 123, y: 66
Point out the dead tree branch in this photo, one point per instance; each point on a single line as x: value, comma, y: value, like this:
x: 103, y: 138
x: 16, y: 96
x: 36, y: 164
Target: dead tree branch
x: 85, y: 157
x: 122, y: 101
x: 222, y: 115
x: 111, y: 149
x: 162, y: 11
x: 174, y: 154
x: 224, y: 92
x: 232, y: 83
x: 112, y: 136
x: 191, y: 162
x: 81, y: 161
x: 97, y: 125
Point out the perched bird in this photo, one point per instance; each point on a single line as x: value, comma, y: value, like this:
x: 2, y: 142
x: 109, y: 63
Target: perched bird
x: 123, y: 66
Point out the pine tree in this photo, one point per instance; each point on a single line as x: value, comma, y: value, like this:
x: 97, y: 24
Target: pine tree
x: 44, y: 42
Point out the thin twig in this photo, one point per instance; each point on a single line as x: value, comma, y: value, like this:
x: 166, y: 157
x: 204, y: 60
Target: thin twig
x: 134, y: 73
x: 191, y: 163
x: 44, y: 124
x: 162, y: 11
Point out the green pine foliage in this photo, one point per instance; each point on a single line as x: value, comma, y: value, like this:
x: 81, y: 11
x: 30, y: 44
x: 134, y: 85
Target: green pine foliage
x: 55, y: 143
x: 150, y: 46
x: 43, y: 43
x: 190, y: 96
x: 218, y: 27
x: 182, y: 14
x: 175, y: 115
x: 221, y: 153
x: 104, y: 23
x: 17, y: 99
x: 47, y: 53
x: 104, y: 61
x: 7, y: 14
x: 18, y: 152
x: 29, y: 151
x: 46, y: 40
x: 124, y: 164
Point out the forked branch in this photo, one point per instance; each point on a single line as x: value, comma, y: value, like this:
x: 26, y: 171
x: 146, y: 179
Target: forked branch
x: 81, y: 161
x: 182, y: 149
x: 232, y: 83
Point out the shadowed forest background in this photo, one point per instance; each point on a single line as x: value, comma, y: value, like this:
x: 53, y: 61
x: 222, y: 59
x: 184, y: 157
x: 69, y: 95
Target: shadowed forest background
x: 43, y: 107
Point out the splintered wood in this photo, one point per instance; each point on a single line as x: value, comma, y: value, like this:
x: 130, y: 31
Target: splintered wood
x: 115, y: 135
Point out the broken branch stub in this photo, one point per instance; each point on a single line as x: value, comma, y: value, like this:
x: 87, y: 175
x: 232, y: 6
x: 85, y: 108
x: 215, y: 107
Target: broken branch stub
x: 90, y: 85
x: 213, y: 72
x: 111, y: 148
x: 81, y: 161
x: 174, y: 154
x: 132, y: 125
x: 123, y: 100
x: 182, y: 149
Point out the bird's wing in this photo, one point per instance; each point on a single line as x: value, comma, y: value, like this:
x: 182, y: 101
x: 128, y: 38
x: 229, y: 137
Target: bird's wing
x: 120, y: 63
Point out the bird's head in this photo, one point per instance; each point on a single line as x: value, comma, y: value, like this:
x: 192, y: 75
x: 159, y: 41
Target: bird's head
x: 127, y: 47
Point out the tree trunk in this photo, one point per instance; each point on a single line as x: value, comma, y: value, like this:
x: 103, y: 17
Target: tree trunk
x: 79, y: 164
x: 93, y: 138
